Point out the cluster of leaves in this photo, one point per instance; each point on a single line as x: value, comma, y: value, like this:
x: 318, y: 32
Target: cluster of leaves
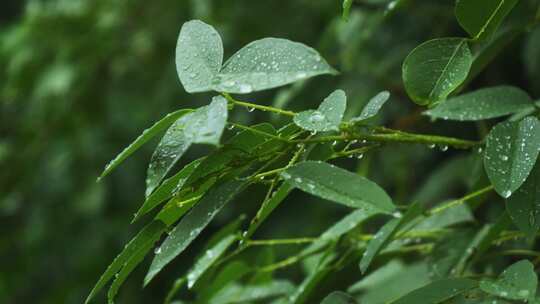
x: 297, y: 156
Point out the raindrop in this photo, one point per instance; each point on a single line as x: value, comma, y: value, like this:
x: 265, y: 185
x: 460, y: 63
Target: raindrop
x: 157, y: 250
x: 250, y: 109
x: 507, y: 193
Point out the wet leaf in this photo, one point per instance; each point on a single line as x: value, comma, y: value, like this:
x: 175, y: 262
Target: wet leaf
x: 373, y: 106
x: 208, y: 258
x: 481, y: 18
x: 524, y: 205
x: 435, y: 69
x: 483, y: 104
x: 147, y: 134
x: 199, y: 55
x: 166, y: 190
x: 235, y: 293
x: 340, y: 228
x: 338, y: 185
x: 204, y: 126
x: 327, y: 117
x: 517, y: 282
x: 385, y: 234
x: 269, y: 63
x: 192, y: 224
x: 142, y: 242
x: 511, y: 152
x: 338, y: 297
x: 437, y: 292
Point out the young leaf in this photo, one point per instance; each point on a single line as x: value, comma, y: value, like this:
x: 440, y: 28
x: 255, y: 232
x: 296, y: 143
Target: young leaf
x: 199, y: 55
x: 210, y: 256
x: 481, y: 18
x: 269, y: 63
x: 385, y: 234
x: 166, y: 190
x: 483, y: 104
x: 338, y: 297
x: 436, y: 68
x: 517, y: 282
x: 204, y: 125
x: 147, y: 134
x: 338, y: 185
x: 511, y: 152
x: 373, y: 106
x: 523, y: 207
x: 192, y: 224
x: 437, y: 292
x: 327, y: 117
x: 144, y: 240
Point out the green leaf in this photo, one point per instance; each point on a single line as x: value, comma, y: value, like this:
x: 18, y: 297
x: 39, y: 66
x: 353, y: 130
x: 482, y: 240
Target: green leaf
x: 210, y: 256
x: 147, y: 134
x: 437, y: 292
x: 346, y: 9
x: 235, y: 293
x: 267, y: 207
x: 321, y: 270
x: 269, y: 63
x: 338, y: 297
x: 343, y: 226
x: 386, y: 233
x: 142, y: 242
x: 327, y: 117
x: 373, y: 106
x: 235, y: 150
x: 231, y: 272
x: 338, y: 185
x: 481, y: 18
x: 204, y: 126
x: 192, y: 224
x: 119, y: 278
x: 435, y: 69
x: 483, y: 104
x: 517, y: 282
x: 523, y: 207
x: 511, y: 152
x: 199, y: 55
x: 390, y: 281
x: 167, y: 189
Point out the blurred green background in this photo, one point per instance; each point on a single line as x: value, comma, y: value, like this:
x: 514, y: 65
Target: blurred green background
x: 79, y: 79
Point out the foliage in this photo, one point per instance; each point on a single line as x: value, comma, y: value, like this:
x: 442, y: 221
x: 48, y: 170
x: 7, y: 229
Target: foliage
x: 353, y: 182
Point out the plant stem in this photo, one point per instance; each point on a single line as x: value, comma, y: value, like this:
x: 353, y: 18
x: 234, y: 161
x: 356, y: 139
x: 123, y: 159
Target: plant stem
x: 281, y: 241
x: 400, y: 137
x: 250, y: 105
x: 460, y: 200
